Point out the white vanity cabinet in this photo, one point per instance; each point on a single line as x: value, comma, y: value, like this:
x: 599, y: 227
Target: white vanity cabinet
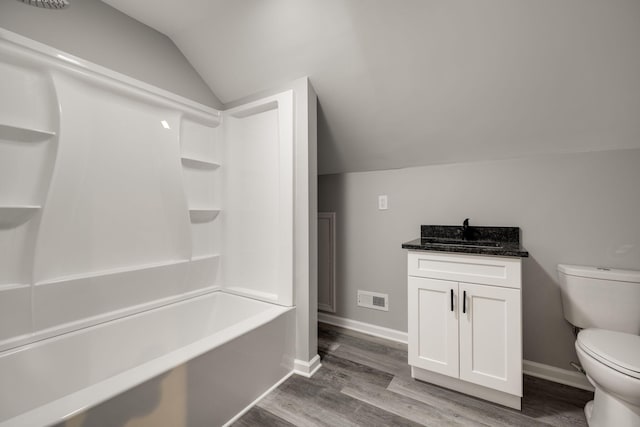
x: 465, y: 323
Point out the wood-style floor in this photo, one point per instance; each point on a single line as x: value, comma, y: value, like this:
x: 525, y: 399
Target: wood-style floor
x: 365, y: 381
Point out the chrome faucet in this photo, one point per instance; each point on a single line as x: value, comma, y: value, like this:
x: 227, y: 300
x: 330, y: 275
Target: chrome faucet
x: 466, y: 232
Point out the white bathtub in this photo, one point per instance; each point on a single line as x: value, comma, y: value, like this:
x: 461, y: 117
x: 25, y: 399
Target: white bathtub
x: 201, y: 361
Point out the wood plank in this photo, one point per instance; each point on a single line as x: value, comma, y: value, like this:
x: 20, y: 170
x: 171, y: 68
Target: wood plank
x: 326, y: 345
x: 409, y: 408
x: 338, y: 372
x: 303, y: 402
x: 457, y: 403
x: 261, y: 417
x: 554, y: 403
x: 342, y: 335
x: 394, y: 363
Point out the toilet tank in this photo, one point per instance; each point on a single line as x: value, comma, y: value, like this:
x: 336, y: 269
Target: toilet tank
x: 596, y: 297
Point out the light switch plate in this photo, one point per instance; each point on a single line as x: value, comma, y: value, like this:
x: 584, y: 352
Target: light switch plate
x: 383, y: 202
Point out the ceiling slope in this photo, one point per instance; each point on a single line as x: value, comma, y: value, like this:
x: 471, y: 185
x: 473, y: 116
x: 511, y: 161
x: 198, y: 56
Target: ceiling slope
x: 416, y: 82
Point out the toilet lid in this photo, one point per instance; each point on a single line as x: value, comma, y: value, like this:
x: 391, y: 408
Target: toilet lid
x: 618, y: 350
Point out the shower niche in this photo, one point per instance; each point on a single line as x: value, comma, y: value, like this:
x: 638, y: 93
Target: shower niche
x: 200, y: 158
x: 117, y: 197
x: 28, y: 141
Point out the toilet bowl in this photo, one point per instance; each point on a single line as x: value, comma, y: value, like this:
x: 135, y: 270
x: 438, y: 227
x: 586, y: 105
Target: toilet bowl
x: 611, y: 361
x: 603, y: 302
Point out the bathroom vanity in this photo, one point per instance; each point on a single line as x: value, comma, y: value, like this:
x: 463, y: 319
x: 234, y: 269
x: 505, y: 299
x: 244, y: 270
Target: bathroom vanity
x: 465, y: 310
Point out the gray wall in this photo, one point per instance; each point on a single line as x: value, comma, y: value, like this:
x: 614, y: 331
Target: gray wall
x: 575, y: 208
x: 98, y: 33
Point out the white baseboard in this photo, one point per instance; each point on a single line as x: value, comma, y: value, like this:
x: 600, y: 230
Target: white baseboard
x: 255, y: 402
x: 558, y: 375
x: 535, y: 369
x: 366, y: 328
x: 307, y: 369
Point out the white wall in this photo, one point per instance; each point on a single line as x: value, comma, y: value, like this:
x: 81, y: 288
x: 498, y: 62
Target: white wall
x: 577, y: 208
x: 258, y: 199
x: 99, y: 33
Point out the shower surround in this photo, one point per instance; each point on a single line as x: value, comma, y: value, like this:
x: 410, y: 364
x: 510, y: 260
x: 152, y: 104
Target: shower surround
x: 122, y: 202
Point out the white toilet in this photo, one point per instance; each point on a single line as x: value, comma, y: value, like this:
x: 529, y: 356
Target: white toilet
x: 605, y: 304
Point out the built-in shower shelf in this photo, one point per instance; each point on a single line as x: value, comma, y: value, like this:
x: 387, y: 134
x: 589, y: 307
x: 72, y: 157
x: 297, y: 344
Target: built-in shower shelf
x: 23, y: 134
x: 193, y: 162
x: 14, y: 215
x: 203, y: 215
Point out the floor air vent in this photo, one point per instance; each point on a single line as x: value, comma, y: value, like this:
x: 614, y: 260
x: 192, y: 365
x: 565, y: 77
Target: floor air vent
x: 373, y: 300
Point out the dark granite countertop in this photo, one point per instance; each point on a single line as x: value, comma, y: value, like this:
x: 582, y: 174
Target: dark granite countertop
x: 496, y: 241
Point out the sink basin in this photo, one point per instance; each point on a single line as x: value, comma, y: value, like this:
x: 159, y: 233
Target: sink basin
x: 468, y: 245
x: 462, y: 243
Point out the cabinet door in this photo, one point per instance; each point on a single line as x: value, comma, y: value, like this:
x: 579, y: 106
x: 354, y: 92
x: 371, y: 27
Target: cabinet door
x: 490, y: 338
x: 433, y: 325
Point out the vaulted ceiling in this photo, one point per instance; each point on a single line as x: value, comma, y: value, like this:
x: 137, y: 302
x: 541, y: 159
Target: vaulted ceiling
x: 414, y: 82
